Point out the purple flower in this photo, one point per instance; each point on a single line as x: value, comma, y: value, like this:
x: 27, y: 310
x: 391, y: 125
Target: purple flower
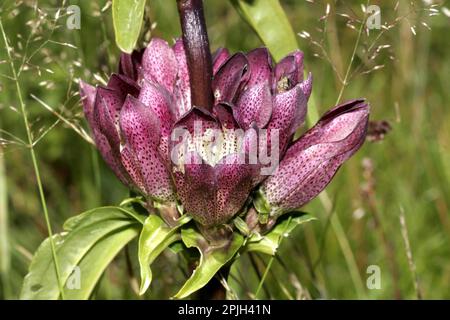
x: 312, y: 161
x: 140, y: 117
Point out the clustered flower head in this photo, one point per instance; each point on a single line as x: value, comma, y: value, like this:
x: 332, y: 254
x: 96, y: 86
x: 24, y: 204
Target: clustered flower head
x: 212, y: 160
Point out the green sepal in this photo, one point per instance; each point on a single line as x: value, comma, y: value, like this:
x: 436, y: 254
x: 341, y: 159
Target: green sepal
x: 242, y: 226
x: 211, y: 259
x: 262, y: 206
x: 156, y: 236
x: 270, y: 242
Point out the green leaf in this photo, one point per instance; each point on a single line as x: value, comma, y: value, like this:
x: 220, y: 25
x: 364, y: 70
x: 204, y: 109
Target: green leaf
x: 127, y: 18
x: 84, y: 232
x: 211, y: 259
x: 98, y: 214
x: 270, y: 22
x: 270, y: 242
x: 155, y: 237
x: 97, y: 260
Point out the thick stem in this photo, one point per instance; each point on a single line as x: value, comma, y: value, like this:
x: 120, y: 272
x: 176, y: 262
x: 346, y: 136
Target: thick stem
x: 196, y: 45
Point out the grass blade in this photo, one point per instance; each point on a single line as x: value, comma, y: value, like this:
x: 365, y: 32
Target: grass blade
x: 5, y: 255
x: 33, y: 158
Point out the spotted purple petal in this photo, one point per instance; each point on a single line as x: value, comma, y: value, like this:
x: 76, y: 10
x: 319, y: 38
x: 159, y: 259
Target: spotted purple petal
x: 212, y: 195
x: 306, y: 86
x: 311, y: 162
x: 123, y: 86
x: 224, y: 114
x: 159, y: 101
x: 106, y: 115
x: 289, y: 111
x: 111, y: 158
x: 329, y: 125
x: 132, y: 167
x: 89, y: 96
x: 288, y: 72
x: 140, y: 129
x: 182, y: 87
x: 88, y: 93
x: 260, y: 64
x: 160, y: 64
x: 197, y: 117
x: 254, y: 106
x: 219, y: 57
x: 196, y: 187
x: 234, y: 183
x: 108, y: 100
x: 229, y: 78
x: 130, y: 64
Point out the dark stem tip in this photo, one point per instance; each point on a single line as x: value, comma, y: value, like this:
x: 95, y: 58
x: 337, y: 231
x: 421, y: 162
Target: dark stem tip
x: 198, y: 55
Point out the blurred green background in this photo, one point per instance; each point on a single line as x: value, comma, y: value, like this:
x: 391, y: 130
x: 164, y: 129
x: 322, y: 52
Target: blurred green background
x: 402, y: 69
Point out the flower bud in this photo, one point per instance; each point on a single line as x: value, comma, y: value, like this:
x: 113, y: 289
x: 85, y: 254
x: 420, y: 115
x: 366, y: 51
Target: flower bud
x: 312, y: 161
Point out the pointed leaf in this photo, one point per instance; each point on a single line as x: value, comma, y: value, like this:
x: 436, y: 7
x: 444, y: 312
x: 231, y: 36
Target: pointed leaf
x: 270, y: 22
x: 127, y: 17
